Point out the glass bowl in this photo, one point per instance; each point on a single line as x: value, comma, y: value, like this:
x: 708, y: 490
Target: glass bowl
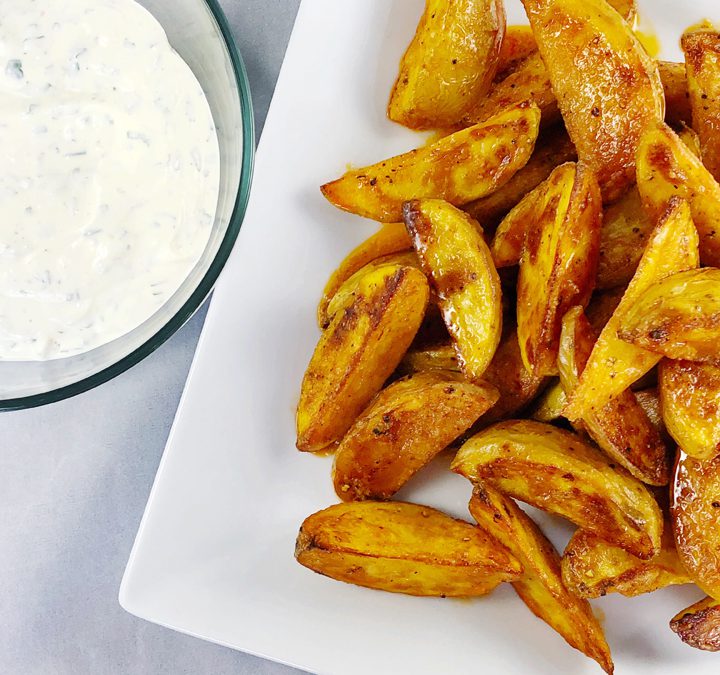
x: 199, y: 32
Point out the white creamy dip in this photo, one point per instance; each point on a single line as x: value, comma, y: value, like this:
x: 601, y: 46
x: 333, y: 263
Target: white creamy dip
x: 109, y: 177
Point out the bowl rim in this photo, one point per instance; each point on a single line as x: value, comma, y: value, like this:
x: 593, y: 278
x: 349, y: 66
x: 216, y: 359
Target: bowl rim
x: 204, y: 288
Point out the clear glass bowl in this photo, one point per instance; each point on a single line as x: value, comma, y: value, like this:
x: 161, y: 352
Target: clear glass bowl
x: 199, y: 32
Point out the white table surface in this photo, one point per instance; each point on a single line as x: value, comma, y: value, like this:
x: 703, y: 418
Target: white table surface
x: 75, y: 476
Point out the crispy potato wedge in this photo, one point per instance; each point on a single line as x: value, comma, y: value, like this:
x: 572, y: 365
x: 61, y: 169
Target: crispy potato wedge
x: 678, y: 317
x: 677, y: 97
x: 459, y: 168
x: 613, y: 364
x: 699, y: 625
x: 691, y: 140
x: 406, y: 425
x: 431, y: 357
x: 702, y: 62
x: 518, y: 43
x: 592, y: 568
x: 621, y: 427
x: 403, y: 548
x: 559, y: 262
x: 556, y: 471
x: 390, y: 238
x: 666, y: 167
x: 551, y: 404
x: 450, y: 63
x: 357, y: 353
x: 695, y: 513
x: 540, y: 587
x: 690, y: 399
x: 456, y: 258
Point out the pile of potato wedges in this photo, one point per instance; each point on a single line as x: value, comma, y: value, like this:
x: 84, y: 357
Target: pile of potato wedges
x: 542, y: 297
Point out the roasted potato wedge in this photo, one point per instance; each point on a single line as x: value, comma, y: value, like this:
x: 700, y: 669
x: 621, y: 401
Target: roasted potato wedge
x: 431, y: 357
x: 613, y: 364
x: 592, y: 568
x: 556, y: 471
x: 677, y: 98
x: 695, y: 513
x: 357, y: 353
x: 678, y: 316
x: 699, y: 625
x: 621, y: 427
x: 390, y: 238
x: 450, y: 63
x: 666, y: 167
x: 551, y: 404
x: 540, y: 587
x: 406, y: 425
x: 459, y: 168
x: 403, y: 548
x: 604, y: 113
x: 456, y: 258
x: 559, y: 262
x: 518, y: 43
x: 702, y: 62
x: 690, y: 399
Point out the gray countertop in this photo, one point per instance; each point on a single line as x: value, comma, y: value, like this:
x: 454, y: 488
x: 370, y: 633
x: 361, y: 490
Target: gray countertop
x: 75, y: 476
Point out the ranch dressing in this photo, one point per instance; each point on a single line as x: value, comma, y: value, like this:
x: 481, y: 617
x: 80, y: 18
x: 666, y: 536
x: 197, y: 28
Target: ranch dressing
x: 109, y: 177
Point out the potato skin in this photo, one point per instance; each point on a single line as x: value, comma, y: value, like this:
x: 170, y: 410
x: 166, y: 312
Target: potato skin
x: 607, y: 87
x: 556, y: 471
x: 540, y: 587
x: 403, y: 548
x: 358, y: 352
x: 549, y: 407
x: 695, y: 511
x: 458, y: 168
x: 441, y: 356
x: 457, y: 260
x: 406, y: 425
x: 449, y: 64
x: 677, y: 98
x: 699, y: 625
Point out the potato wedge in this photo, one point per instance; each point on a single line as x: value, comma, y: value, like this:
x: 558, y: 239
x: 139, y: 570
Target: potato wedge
x: 456, y: 258
x: 518, y: 43
x: 556, y: 471
x: 621, y: 427
x: 540, y: 587
x: 551, y: 404
x: 613, y: 364
x: 699, y: 625
x: 403, y: 548
x: 649, y: 399
x: 357, y: 353
x: 678, y: 316
x: 702, y: 62
x: 601, y: 307
x: 459, y: 168
x: 666, y: 167
x: 677, y: 98
x: 592, y: 568
x: 559, y: 262
x: 431, y: 357
x: 450, y: 63
x: 607, y: 87
x: 695, y: 513
x: 390, y: 238
x: 690, y: 399
x: 406, y: 425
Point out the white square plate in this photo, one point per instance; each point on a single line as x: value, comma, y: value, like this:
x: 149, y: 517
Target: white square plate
x: 214, y: 554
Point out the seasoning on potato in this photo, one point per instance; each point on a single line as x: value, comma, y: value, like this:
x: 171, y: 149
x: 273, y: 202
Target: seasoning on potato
x: 699, y: 625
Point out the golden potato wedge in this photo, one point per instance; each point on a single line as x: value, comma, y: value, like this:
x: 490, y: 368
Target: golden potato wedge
x: 678, y: 317
x: 540, y: 587
x: 695, y: 513
x: 357, y: 353
x: 614, y: 364
x: 556, y: 471
x: 553, y: 147
x: 607, y: 86
x: 403, y: 548
x: 702, y: 62
x: 559, y: 262
x: 690, y: 138
x: 649, y: 399
x: 463, y: 166
x: 666, y: 167
x: 677, y: 98
x: 699, y: 625
x: 390, y: 238
x: 456, y: 258
x: 690, y: 399
x: 431, y: 357
x: 406, y: 425
x: 551, y: 404
x: 450, y: 63
x: 621, y: 427
x: 592, y: 568
x: 518, y: 43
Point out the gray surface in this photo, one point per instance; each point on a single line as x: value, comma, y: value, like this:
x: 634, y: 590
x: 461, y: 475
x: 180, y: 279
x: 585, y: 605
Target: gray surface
x: 75, y: 476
